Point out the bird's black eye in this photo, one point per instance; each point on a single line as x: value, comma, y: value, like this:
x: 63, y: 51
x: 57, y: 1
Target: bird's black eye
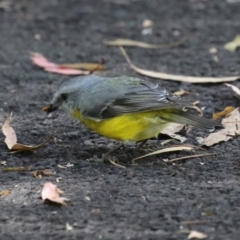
x: 64, y: 96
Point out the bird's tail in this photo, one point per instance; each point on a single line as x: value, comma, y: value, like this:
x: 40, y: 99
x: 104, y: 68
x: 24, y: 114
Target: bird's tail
x: 182, y: 117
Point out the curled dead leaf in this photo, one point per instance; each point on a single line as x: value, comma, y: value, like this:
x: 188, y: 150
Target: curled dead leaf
x: 11, y: 139
x: 194, y: 106
x: 52, y: 193
x: 41, y: 173
x: 172, y: 129
x: 231, y: 128
x: 224, y: 113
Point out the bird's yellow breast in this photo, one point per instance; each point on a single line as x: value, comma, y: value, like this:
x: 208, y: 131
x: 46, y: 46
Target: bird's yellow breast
x: 127, y: 127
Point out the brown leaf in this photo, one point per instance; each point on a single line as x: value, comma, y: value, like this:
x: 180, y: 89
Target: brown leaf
x: 5, y: 192
x: 11, y: 139
x: 223, y: 113
x: 41, y: 173
x: 180, y: 78
x: 231, y: 128
x: 52, y: 193
x: 86, y: 66
x: 197, y: 235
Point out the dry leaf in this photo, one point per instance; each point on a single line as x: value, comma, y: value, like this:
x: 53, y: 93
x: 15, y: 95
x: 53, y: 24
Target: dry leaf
x: 41, y: 173
x: 9, y: 133
x: 132, y: 43
x: 165, y: 150
x: 182, y: 92
x: 223, y: 113
x: 39, y: 60
x: 197, y: 235
x: 52, y: 193
x: 16, y: 169
x: 233, y: 45
x: 180, y: 78
x: 5, y: 192
x: 4, y: 163
x: 66, y: 71
x: 86, y: 66
x: 147, y: 23
x: 188, y: 157
x: 11, y: 139
x: 194, y: 106
x: 69, y: 227
x: 231, y: 126
x: 172, y: 129
x: 234, y: 88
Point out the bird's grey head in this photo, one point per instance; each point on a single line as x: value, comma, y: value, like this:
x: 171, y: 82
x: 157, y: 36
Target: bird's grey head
x: 69, y: 92
x: 66, y: 96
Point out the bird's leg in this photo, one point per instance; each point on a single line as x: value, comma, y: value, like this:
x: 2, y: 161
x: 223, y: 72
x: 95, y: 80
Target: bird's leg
x: 106, y: 156
x: 141, y: 144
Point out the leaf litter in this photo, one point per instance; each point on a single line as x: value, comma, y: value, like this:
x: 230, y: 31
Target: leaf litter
x: 231, y: 129
x: 172, y: 129
x: 66, y: 68
x: 174, y: 77
x: 51, y: 192
x: 11, y: 139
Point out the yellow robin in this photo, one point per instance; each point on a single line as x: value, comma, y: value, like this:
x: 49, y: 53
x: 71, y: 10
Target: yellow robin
x: 123, y: 108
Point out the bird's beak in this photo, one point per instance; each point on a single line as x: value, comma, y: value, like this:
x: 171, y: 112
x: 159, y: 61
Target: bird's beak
x: 50, y: 108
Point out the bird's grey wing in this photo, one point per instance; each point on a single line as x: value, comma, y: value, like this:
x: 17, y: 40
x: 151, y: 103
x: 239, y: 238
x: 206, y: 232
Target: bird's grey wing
x: 145, y: 96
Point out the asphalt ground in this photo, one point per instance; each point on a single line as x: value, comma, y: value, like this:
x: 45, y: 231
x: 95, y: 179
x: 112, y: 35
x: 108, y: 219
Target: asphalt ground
x: 148, y: 200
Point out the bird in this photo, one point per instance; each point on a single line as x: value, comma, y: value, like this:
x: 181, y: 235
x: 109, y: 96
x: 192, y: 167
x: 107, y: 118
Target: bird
x: 124, y: 108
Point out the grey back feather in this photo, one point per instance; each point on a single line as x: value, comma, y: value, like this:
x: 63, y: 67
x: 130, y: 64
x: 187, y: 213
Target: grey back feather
x: 103, y: 98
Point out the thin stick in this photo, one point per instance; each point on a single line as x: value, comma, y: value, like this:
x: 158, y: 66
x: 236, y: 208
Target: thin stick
x: 116, y: 164
x: 192, y: 156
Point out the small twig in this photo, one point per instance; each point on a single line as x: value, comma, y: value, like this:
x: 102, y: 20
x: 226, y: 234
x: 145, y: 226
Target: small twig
x: 116, y: 164
x: 191, y: 156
